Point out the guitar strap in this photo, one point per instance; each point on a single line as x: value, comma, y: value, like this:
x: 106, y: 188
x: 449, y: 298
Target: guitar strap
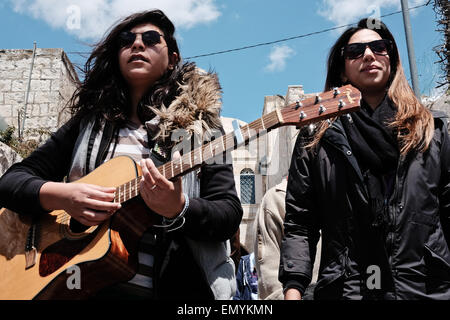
x: 86, y: 144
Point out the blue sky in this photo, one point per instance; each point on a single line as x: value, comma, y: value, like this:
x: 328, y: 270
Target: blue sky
x: 207, y: 26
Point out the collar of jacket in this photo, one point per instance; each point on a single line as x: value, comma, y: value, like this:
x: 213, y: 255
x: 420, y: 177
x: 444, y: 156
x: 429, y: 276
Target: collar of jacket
x: 195, y: 110
x: 282, y: 185
x: 336, y: 137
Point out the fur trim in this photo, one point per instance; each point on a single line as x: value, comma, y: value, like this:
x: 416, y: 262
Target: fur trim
x: 197, y: 107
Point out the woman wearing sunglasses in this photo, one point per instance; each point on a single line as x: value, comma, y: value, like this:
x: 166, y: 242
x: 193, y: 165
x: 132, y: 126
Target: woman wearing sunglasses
x: 134, y: 95
x: 375, y: 184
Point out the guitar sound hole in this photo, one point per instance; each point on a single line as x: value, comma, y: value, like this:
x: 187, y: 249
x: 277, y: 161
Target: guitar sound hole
x: 76, y: 226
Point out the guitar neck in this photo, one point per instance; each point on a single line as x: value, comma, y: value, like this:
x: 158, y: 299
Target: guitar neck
x: 329, y: 104
x: 203, y: 154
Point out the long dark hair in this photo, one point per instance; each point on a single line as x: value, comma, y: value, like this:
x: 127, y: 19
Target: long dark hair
x: 104, y: 92
x: 414, y: 122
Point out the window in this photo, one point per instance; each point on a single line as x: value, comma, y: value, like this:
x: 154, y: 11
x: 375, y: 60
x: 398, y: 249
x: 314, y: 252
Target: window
x: 247, y: 186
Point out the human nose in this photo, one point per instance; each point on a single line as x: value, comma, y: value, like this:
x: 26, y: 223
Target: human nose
x: 138, y: 43
x: 368, y: 54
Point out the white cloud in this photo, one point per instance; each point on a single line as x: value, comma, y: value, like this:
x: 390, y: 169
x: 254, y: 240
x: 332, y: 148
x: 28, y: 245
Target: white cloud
x: 278, y: 56
x: 96, y: 16
x: 343, y: 12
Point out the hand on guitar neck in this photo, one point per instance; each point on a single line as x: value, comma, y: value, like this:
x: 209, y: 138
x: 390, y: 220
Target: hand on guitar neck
x: 160, y: 194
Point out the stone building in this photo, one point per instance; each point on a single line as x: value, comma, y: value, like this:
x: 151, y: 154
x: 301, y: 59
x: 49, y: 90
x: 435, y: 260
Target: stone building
x: 37, y: 84
x: 263, y: 163
x: 7, y: 158
x: 442, y: 104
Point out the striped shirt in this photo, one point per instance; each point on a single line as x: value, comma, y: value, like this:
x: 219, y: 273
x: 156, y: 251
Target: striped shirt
x: 132, y: 142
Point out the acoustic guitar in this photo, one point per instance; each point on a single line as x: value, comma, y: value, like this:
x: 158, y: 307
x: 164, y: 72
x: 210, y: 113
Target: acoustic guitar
x: 39, y: 259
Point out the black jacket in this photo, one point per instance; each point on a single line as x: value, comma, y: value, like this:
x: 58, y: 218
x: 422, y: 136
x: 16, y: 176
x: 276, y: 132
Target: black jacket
x: 214, y: 216
x: 326, y: 193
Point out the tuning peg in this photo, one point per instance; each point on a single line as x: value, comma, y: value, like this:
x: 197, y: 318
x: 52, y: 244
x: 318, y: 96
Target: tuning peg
x: 341, y: 104
x: 349, y: 117
x: 298, y: 104
x: 336, y: 91
x: 322, y: 109
x: 318, y: 99
x: 302, y: 115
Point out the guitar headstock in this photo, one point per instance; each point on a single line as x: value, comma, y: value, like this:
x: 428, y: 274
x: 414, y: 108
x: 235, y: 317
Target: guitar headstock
x: 325, y: 105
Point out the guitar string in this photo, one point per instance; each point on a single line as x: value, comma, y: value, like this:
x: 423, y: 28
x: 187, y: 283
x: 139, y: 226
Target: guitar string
x: 228, y: 139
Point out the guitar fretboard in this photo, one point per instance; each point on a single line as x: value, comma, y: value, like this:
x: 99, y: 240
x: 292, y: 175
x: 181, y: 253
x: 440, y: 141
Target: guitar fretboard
x: 331, y: 103
x: 202, y: 154
x: 128, y: 190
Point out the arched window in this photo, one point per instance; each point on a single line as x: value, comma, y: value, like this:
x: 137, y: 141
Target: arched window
x: 247, y: 186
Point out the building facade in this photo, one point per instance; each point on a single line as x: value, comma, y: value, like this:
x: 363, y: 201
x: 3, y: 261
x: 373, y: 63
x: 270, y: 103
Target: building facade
x: 263, y: 163
x: 34, y: 89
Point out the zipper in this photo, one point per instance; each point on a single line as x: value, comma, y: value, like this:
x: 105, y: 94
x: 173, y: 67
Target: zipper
x: 395, y: 202
x: 346, y: 267
x: 395, y: 207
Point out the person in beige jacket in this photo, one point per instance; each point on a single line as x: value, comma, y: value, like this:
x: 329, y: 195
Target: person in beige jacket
x: 269, y: 233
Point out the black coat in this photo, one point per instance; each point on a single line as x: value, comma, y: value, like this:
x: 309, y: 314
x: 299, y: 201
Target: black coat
x: 326, y: 193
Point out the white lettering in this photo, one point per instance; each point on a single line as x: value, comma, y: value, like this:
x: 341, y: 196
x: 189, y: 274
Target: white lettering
x: 205, y: 311
x: 373, y: 22
x: 74, y: 281
x: 246, y: 309
x: 374, y: 280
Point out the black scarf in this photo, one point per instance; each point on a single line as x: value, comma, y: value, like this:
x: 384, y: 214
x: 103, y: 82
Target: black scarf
x: 372, y: 141
x: 374, y: 144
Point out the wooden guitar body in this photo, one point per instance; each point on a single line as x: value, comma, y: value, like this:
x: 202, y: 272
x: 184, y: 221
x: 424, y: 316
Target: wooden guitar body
x: 104, y: 254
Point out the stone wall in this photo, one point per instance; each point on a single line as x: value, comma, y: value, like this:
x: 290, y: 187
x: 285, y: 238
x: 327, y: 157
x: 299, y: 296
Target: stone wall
x: 268, y: 157
x: 7, y: 158
x: 52, y: 83
x: 441, y: 104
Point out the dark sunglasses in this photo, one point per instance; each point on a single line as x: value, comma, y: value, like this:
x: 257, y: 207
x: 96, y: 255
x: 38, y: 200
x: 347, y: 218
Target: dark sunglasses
x: 356, y: 50
x: 149, y: 38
